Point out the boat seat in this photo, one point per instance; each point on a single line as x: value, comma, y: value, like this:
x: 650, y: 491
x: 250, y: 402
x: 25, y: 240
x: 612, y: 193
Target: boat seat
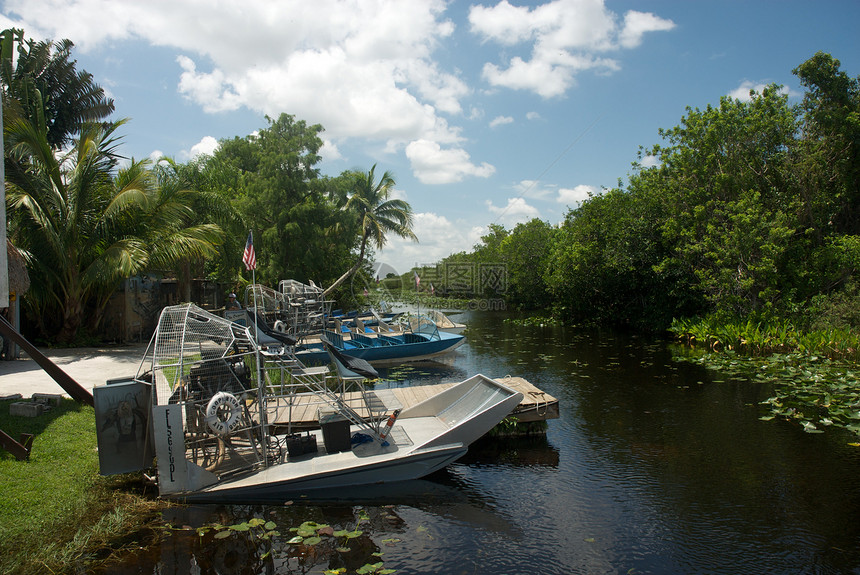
x: 363, y: 340
x: 334, y: 338
x: 268, y: 331
x: 388, y: 340
x: 349, y: 367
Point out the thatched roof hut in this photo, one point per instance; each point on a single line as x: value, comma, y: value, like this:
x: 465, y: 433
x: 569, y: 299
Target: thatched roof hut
x: 19, y: 279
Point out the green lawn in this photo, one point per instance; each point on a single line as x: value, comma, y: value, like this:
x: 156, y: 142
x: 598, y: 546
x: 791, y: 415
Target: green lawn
x: 55, y: 510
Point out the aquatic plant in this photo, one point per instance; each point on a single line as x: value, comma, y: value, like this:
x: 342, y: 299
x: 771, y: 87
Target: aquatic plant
x: 814, y: 391
x: 759, y: 337
x: 254, y: 540
x: 533, y: 321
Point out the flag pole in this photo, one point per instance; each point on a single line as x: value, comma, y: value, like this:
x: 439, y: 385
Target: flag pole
x: 250, y: 260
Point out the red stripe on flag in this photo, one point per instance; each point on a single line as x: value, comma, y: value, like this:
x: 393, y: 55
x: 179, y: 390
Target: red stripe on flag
x: 249, y: 258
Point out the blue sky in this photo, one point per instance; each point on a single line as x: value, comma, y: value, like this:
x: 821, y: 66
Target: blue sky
x: 493, y: 112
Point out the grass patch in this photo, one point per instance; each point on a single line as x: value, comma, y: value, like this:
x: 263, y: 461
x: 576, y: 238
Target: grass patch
x: 57, y: 513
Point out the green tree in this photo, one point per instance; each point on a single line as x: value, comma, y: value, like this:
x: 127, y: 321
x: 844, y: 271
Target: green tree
x: 490, y: 248
x: 272, y: 180
x: 526, y: 254
x: 84, y: 230
x: 828, y: 158
x: 205, y: 215
x: 729, y: 211
x: 40, y: 78
x: 377, y: 214
x: 601, y: 266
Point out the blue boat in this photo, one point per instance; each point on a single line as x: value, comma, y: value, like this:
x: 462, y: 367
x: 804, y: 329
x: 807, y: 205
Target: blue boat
x: 380, y: 349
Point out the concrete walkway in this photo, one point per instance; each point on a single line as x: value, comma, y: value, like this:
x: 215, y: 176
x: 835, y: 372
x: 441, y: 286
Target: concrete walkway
x: 89, y: 366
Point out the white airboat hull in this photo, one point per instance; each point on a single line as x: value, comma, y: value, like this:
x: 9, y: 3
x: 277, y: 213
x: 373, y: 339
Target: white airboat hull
x: 426, y: 437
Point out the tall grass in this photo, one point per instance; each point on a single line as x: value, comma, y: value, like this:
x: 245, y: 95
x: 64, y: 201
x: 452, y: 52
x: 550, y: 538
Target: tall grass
x: 758, y: 337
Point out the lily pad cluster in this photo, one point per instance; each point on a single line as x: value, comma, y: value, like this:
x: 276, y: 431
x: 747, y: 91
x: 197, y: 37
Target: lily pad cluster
x: 813, y: 391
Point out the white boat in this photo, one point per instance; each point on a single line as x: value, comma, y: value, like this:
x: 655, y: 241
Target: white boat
x: 213, y: 392
x: 444, y: 323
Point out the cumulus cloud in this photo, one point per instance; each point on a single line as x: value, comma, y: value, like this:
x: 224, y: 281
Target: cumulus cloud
x: 433, y: 164
x: 576, y: 195
x: 742, y: 92
x: 533, y: 189
x: 206, y: 146
x: 637, y: 24
x: 501, y: 121
x: 329, y: 151
x: 564, y: 36
x: 649, y: 161
x: 438, y: 237
x: 361, y: 69
x: 516, y: 211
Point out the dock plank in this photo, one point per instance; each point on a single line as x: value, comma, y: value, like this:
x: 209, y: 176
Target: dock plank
x: 536, y: 405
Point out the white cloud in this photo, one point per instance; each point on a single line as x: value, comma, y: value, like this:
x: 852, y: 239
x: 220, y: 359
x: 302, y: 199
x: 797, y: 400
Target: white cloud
x: 533, y: 189
x: 432, y: 164
x: 438, y: 237
x: 636, y: 24
x: 501, y: 121
x: 361, y: 69
x: 205, y: 146
x: 649, y: 161
x: 742, y: 92
x: 532, y: 116
x: 575, y: 196
x: 564, y: 36
x: 329, y: 151
x: 516, y: 211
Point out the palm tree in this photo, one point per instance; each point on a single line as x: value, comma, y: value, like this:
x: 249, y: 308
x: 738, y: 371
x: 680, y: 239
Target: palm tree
x: 184, y: 225
x: 31, y: 71
x: 377, y: 215
x: 83, y: 229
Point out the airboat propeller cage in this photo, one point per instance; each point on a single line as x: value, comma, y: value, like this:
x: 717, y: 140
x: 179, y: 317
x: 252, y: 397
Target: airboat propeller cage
x: 196, y: 362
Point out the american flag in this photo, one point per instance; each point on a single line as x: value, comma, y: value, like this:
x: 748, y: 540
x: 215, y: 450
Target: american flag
x: 417, y: 281
x: 248, y: 258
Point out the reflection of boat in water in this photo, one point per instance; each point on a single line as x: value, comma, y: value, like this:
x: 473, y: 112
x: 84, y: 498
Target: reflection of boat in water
x: 521, y: 451
x: 213, y: 389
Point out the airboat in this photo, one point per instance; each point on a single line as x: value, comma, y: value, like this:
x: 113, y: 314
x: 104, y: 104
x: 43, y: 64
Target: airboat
x: 213, y: 390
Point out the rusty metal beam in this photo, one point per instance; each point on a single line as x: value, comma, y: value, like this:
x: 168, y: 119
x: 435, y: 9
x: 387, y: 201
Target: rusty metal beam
x: 20, y: 449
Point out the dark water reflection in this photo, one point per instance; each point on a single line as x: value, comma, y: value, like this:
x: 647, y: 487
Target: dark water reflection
x: 653, y: 467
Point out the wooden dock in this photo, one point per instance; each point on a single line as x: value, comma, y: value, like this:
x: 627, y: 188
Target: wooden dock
x: 303, y: 412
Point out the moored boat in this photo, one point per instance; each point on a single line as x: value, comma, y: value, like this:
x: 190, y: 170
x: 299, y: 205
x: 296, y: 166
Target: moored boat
x: 211, y: 387
x: 381, y: 348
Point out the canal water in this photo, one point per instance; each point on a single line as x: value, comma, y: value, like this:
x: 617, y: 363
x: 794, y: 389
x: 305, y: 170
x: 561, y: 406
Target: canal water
x: 654, y: 466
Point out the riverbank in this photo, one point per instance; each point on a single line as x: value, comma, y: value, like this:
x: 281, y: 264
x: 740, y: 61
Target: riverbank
x: 57, y: 514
